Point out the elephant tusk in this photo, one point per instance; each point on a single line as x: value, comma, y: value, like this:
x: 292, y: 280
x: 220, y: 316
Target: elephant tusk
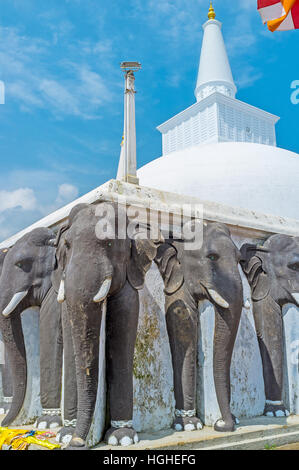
x: 61, y: 292
x: 104, y: 291
x: 17, y: 298
x: 217, y: 298
x: 296, y: 296
x: 52, y: 242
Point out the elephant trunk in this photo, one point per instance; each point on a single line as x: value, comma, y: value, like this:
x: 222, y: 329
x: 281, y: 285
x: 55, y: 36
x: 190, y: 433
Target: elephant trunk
x: 85, y: 333
x: 226, y: 328
x: 15, y: 347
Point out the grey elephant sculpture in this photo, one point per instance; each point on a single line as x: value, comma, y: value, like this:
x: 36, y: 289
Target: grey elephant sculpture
x: 65, y: 434
x: 272, y: 271
x: 5, y: 369
x: 210, y: 272
x: 26, y: 282
x: 98, y: 271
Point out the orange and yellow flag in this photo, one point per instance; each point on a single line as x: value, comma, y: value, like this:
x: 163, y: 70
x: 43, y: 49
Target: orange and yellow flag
x: 280, y: 15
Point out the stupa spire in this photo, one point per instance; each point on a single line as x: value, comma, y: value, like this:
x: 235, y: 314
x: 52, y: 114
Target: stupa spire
x: 214, y: 73
x: 211, y: 14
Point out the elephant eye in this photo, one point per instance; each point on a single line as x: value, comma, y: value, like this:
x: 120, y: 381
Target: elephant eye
x: 213, y: 257
x: 25, y: 264
x: 294, y: 266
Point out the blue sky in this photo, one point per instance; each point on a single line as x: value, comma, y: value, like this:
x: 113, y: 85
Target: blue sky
x: 61, y: 125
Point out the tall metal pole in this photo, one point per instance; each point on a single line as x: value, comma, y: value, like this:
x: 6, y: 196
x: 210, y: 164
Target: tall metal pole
x: 127, y: 170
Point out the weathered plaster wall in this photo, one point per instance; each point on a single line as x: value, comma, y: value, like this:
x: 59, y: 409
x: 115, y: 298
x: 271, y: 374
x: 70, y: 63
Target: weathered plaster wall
x: 153, y: 378
x: 2, y: 359
x: 32, y: 406
x: 291, y: 357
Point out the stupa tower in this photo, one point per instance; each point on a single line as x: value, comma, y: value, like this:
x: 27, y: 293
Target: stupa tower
x: 217, y: 116
x: 214, y: 73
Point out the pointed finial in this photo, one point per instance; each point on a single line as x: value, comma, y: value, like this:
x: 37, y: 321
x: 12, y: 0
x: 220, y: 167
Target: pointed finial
x: 211, y: 14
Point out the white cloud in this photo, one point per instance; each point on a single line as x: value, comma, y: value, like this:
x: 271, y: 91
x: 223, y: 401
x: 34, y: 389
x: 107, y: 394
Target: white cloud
x: 5, y: 230
x: 67, y: 193
x: 36, y: 80
x: 59, y: 97
x: 172, y: 20
x: 21, y: 207
x: 247, y: 76
x: 22, y: 197
x: 248, y: 5
x: 93, y: 86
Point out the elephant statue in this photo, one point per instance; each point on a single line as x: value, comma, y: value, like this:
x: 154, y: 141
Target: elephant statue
x: 210, y: 272
x: 26, y: 282
x: 65, y: 434
x: 103, y: 272
x: 5, y: 369
x: 272, y: 270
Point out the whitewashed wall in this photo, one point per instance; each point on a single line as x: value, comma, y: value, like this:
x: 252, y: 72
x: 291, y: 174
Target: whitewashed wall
x: 32, y: 406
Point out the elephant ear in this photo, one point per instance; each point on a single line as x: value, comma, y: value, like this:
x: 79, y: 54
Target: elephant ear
x: 170, y: 268
x: 3, y: 253
x: 253, y: 265
x: 61, y: 248
x: 143, y: 252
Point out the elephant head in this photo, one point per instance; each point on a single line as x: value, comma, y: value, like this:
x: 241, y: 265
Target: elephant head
x: 27, y: 271
x: 24, y: 282
x: 272, y: 270
x: 212, y: 273
x: 103, y: 269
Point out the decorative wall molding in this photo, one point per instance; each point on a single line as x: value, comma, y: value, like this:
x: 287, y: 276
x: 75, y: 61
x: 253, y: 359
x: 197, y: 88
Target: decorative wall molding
x: 218, y: 118
x: 252, y: 223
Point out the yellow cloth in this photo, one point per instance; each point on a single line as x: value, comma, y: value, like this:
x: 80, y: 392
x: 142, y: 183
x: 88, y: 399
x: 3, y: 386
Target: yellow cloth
x: 13, y: 438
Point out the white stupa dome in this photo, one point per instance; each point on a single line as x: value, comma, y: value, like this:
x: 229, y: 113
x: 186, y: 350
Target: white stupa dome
x: 221, y: 149
x: 252, y: 176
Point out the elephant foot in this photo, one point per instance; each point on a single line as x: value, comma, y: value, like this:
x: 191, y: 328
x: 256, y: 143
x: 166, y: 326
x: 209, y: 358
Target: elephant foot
x: 186, y: 420
x: 77, y: 444
x: 226, y: 426
x: 65, y: 434
x: 275, y: 409
x: 50, y: 419
x: 187, y: 424
x: 122, y: 436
